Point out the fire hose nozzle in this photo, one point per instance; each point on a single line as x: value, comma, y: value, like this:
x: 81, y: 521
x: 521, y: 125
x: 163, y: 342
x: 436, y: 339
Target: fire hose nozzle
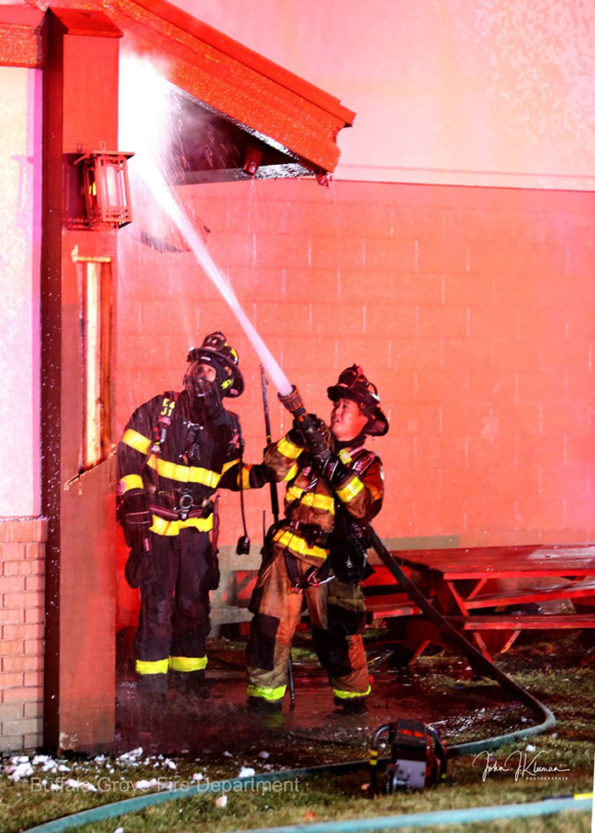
x: 293, y: 402
x: 314, y: 439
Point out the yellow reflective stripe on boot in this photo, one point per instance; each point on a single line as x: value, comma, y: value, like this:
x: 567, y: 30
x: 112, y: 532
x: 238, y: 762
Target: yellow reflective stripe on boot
x: 348, y: 695
x: 270, y: 694
x: 187, y: 663
x: 159, y: 666
x: 161, y: 526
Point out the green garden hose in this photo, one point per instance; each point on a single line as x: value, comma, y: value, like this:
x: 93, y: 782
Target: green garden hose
x: 478, y: 662
x: 475, y: 657
x: 440, y: 817
x: 132, y: 805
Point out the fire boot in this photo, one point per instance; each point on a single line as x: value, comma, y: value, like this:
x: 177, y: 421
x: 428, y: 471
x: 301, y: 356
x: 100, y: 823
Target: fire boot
x: 266, y: 714
x: 191, y: 683
x: 152, y: 700
x: 351, y: 705
x: 152, y: 689
x: 262, y: 705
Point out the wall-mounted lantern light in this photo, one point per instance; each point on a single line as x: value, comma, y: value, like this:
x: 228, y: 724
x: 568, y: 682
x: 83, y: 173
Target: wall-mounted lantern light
x: 105, y: 188
x: 252, y: 160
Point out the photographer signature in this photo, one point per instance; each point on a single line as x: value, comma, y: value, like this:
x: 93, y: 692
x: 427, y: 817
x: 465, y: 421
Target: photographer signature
x: 525, y: 766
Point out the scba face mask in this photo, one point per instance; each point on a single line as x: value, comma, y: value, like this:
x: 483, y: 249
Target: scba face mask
x: 202, y: 384
x: 215, y: 352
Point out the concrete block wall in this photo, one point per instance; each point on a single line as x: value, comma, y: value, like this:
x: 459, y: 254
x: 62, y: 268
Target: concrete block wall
x: 470, y: 308
x: 22, y: 576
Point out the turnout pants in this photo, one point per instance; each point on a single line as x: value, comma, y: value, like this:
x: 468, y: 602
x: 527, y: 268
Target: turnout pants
x: 337, y: 617
x: 176, y: 578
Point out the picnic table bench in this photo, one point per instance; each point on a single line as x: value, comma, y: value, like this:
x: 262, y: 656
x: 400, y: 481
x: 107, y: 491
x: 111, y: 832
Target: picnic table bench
x: 482, y: 590
x: 478, y: 589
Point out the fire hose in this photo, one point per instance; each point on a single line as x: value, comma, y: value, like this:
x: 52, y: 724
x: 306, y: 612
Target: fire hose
x: 548, y: 806
x: 478, y: 661
x: 275, y: 509
x: 577, y: 802
x: 321, y: 452
x: 138, y: 803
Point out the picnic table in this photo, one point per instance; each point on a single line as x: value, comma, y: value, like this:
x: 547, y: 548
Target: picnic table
x: 494, y: 593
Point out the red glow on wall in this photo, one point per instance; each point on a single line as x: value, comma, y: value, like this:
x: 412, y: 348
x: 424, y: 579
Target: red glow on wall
x: 470, y: 318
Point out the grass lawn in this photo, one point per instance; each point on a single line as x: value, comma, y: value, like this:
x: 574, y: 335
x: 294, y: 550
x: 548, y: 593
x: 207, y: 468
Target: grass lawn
x: 559, y: 673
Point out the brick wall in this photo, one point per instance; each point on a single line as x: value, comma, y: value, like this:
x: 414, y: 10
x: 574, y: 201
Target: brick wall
x: 22, y: 560
x: 470, y: 308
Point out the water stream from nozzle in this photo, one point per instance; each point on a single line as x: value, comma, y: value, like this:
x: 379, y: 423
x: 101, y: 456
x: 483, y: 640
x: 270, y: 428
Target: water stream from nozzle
x: 142, y: 78
x: 156, y: 183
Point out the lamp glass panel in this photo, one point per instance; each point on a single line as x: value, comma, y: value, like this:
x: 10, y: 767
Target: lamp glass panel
x: 96, y: 313
x: 112, y: 172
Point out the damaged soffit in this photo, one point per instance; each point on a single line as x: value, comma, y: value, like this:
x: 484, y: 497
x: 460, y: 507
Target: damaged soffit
x: 260, y: 117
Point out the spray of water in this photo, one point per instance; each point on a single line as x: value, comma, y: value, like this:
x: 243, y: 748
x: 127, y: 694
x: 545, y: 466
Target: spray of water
x: 144, y: 96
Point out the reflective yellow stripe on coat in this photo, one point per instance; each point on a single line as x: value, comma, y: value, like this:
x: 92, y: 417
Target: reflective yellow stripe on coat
x: 313, y: 499
x: 298, y: 545
x: 350, y: 490
x: 129, y: 482
x: 184, y: 474
x: 161, y: 526
x: 288, y: 449
x: 165, y: 468
x: 136, y: 440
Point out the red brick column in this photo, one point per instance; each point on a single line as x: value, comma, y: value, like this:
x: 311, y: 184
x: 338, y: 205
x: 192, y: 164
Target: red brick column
x: 22, y: 569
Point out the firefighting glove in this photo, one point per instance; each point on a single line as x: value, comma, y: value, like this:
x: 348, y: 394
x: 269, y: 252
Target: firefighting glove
x: 260, y: 475
x: 295, y: 436
x: 318, y: 438
x: 136, y: 519
x: 139, y: 566
x: 314, y: 433
x: 331, y: 468
x: 322, y: 429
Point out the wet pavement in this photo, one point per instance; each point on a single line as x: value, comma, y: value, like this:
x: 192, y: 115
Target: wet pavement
x: 219, y: 723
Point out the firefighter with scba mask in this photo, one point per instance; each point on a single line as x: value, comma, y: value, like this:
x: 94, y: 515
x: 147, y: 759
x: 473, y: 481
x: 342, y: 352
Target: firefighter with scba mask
x: 317, y: 552
x: 176, y: 451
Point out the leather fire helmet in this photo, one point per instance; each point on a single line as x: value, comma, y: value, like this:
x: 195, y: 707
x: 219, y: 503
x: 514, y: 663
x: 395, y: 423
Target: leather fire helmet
x: 353, y: 384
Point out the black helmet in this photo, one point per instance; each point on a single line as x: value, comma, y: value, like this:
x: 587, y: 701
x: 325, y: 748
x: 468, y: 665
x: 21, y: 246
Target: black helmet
x: 354, y: 385
x: 217, y: 352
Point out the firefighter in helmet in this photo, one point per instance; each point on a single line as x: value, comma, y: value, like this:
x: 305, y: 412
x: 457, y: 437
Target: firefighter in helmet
x: 317, y: 552
x: 176, y: 451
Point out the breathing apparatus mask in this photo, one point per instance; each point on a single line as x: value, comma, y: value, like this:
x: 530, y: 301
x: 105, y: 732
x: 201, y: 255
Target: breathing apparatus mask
x: 203, y: 386
x: 213, y: 373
